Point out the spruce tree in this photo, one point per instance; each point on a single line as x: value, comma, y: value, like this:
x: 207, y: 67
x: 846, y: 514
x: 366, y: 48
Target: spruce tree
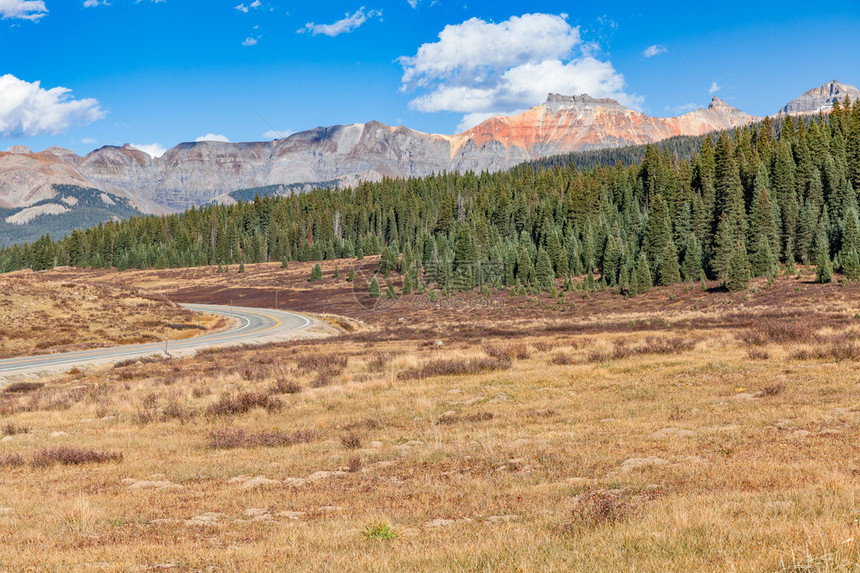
x: 351, y: 276
x: 336, y: 273
x: 739, y: 269
x: 692, y: 269
x: 316, y: 273
x: 374, y: 287
x: 389, y: 291
x: 641, y: 281
x: 823, y: 264
x: 544, y: 275
x: 667, y: 266
x: 763, y: 261
x: 407, y: 283
x: 242, y: 267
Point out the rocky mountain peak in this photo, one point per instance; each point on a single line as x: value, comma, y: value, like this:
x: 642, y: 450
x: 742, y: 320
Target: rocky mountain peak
x: 19, y: 150
x: 556, y: 102
x: 717, y: 103
x: 821, y: 99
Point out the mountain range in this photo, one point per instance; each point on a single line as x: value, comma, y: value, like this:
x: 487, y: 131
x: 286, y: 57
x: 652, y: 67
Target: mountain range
x: 192, y: 174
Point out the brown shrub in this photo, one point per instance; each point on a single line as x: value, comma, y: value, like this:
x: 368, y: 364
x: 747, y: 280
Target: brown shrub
x: 284, y: 386
x: 758, y: 353
x: 71, y: 457
x: 11, y: 460
x: 355, y: 464
x: 508, y: 352
x: 544, y: 346
x: 450, y: 367
x: 230, y: 438
x: 244, y: 402
x: 351, y: 441
x: 832, y: 351
x: 23, y: 387
x: 651, y: 345
x: 474, y: 417
x: 773, y: 389
x: 562, y: 359
x: 776, y: 330
x: 594, y: 508
x: 11, y: 429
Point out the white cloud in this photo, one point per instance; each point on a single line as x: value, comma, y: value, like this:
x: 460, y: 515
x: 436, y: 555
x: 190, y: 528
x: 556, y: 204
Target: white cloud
x: 347, y: 24
x: 482, y: 68
x: 31, y: 10
x: 654, y: 50
x: 213, y: 137
x: 27, y: 110
x: 251, y: 41
x: 242, y: 8
x: 153, y: 149
x: 714, y: 88
x: 277, y: 133
x: 88, y: 140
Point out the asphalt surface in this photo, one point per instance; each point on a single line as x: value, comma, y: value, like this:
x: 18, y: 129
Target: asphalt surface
x: 253, y: 326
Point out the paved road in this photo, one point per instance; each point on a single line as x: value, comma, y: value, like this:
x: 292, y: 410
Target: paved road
x: 253, y: 326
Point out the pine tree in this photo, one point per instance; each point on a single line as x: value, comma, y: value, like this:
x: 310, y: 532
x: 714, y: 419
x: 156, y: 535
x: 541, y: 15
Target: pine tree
x: 407, y: 283
x: 823, y: 264
x: 667, y: 266
x: 316, y: 273
x: 739, y: 269
x: 763, y: 261
x: 284, y: 264
x: 336, y: 273
x: 351, y: 276
x: 641, y: 281
x: 242, y: 267
x: 374, y: 287
x: 544, y: 275
x: 692, y: 269
x: 389, y: 291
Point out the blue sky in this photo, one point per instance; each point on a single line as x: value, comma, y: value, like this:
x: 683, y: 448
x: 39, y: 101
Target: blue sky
x: 166, y: 71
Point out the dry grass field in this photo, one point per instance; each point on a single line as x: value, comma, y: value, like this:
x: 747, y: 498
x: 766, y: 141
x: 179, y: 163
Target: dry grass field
x: 680, y: 430
x: 40, y: 315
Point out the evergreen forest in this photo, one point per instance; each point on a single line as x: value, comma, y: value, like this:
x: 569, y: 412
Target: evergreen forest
x: 751, y: 202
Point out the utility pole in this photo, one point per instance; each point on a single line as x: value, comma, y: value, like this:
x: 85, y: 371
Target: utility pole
x: 198, y: 323
x: 276, y: 299
x: 166, y: 334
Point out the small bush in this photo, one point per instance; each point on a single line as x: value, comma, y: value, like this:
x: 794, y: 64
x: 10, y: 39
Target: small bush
x: 474, y: 417
x: 758, y: 354
x: 11, y: 429
x: 508, y: 352
x: 284, y: 386
x: 776, y: 330
x: 562, y: 359
x: 11, y: 461
x: 244, y: 402
x: 72, y: 457
x: 773, y: 389
x: 355, y: 464
x: 595, y: 508
x: 351, y: 441
x: 379, y: 530
x: 231, y: 438
x: 450, y: 367
x: 23, y: 387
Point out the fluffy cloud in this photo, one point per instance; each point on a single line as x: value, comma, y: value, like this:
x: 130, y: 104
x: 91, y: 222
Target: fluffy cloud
x: 654, y: 50
x: 153, y: 149
x: 715, y: 87
x: 88, y: 140
x: 482, y: 68
x: 23, y: 9
x: 242, y: 8
x: 27, y: 110
x: 213, y: 137
x: 347, y: 24
x: 251, y: 41
x: 277, y: 133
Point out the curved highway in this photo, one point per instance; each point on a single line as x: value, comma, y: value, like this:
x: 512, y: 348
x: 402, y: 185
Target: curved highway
x: 253, y: 326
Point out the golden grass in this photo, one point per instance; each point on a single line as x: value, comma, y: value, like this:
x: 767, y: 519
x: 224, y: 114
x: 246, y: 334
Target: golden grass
x: 39, y: 316
x: 653, y: 451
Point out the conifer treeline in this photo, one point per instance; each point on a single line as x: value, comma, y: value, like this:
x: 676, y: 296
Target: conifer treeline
x: 753, y: 200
